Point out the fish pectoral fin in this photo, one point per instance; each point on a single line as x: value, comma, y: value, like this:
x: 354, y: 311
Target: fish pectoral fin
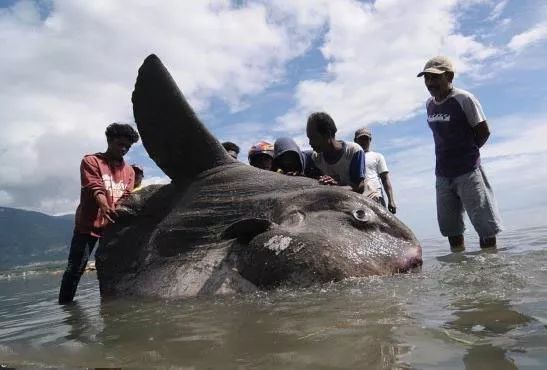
x: 247, y: 229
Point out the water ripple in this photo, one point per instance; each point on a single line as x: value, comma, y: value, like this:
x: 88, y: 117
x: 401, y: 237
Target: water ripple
x: 480, y: 309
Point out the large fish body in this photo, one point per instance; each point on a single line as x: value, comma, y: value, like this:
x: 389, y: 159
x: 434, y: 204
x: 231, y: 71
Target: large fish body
x: 225, y: 227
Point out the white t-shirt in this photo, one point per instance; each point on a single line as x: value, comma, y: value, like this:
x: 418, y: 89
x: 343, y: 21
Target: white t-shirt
x: 341, y: 171
x: 375, y: 164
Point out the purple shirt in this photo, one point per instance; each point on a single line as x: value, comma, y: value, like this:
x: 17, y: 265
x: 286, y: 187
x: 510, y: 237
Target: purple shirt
x: 452, y: 121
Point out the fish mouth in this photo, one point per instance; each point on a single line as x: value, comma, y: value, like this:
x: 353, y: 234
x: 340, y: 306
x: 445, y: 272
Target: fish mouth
x: 410, y: 261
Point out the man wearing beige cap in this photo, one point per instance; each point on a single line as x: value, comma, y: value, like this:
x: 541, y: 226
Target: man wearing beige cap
x: 376, y: 172
x: 459, y: 129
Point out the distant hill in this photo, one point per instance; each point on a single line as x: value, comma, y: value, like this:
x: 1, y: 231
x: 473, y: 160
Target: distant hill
x: 30, y: 237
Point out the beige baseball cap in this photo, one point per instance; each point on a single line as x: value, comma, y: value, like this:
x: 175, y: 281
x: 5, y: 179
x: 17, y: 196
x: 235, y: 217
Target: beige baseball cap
x: 437, y: 65
x: 364, y: 131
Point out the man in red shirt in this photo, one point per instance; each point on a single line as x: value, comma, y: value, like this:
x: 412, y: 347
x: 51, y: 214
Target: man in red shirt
x: 105, y: 179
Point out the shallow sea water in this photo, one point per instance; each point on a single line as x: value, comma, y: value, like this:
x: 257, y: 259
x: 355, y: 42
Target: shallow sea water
x: 473, y: 310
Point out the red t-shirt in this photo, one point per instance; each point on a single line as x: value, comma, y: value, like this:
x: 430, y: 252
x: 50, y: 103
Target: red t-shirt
x: 100, y: 176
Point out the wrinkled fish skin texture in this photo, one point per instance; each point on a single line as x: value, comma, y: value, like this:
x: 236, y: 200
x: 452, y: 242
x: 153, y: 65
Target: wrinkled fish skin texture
x: 225, y: 227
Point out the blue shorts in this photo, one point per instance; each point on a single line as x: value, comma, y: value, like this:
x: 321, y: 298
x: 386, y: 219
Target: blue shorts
x: 470, y: 192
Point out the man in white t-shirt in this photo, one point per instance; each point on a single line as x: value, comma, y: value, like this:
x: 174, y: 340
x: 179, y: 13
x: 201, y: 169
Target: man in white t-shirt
x: 342, y: 163
x: 376, y: 172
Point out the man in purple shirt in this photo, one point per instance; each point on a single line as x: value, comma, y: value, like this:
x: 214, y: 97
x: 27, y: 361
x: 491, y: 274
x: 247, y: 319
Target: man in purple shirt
x: 459, y: 129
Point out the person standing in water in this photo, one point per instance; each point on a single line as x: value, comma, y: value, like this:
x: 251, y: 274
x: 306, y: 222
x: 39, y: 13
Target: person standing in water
x: 459, y: 129
x: 105, y: 179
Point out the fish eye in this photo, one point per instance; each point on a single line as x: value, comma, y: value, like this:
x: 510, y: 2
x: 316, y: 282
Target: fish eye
x: 361, y: 215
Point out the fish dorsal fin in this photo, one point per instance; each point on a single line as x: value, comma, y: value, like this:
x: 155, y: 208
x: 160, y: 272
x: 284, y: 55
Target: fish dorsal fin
x: 171, y: 133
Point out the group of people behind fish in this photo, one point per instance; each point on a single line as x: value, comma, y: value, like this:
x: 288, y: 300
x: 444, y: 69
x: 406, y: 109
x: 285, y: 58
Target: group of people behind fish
x: 332, y: 161
x: 459, y: 129
x: 454, y: 115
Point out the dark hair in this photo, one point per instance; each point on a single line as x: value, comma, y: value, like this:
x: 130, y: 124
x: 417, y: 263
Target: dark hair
x: 137, y: 169
x: 228, y: 145
x: 121, y: 130
x: 323, y: 123
x: 449, y: 76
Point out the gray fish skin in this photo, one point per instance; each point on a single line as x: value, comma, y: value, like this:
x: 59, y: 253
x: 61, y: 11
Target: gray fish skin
x: 223, y: 227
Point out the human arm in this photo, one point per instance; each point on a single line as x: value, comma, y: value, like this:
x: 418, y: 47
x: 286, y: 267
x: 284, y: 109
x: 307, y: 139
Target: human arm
x: 92, y: 181
x: 386, y: 183
x: 129, y: 179
x: 476, y: 118
x: 482, y: 133
x: 327, y: 180
x: 310, y: 169
x: 357, y: 172
x: 108, y: 211
x: 360, y: 187
x: 383, y: 174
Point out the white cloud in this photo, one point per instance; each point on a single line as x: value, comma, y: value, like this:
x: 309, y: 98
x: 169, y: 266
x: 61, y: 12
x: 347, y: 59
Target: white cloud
x: 520, y: 134
x: 67, y: 75
x: 498, y: 10
x: 5, y: 198
x: 155, y: 180
x: 374, y: 52
x: 525, y: 39
x: 505, y: 22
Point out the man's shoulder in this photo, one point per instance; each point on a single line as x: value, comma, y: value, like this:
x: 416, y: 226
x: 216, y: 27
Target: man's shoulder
x: 99, y: 159
x: 374, y: 155
x: 93, y: 158
x: 456, y: 91
x: 461, y: 94
x: 352, y: 148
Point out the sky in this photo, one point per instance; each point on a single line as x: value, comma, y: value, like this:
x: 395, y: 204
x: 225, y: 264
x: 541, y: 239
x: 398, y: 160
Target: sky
x: 254, y: 70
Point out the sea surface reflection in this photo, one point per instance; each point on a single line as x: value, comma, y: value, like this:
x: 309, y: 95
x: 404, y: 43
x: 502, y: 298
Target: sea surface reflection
x: 476, y: 310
